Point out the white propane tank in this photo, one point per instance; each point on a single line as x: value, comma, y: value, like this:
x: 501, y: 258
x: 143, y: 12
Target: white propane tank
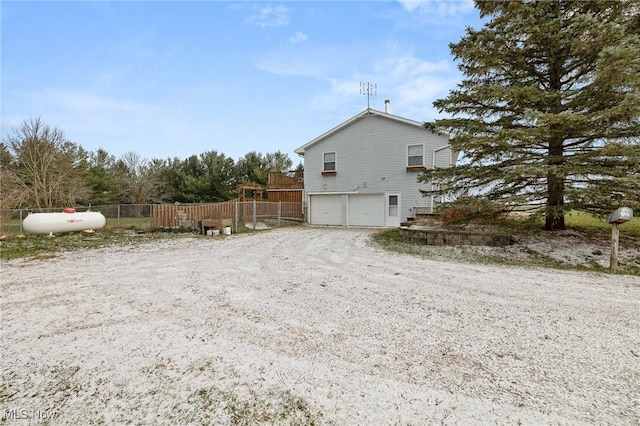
x: 67, y: 221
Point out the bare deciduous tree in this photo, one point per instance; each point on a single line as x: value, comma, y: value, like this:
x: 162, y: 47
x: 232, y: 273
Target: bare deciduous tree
x: 46, y: 168
x: 139, y: 183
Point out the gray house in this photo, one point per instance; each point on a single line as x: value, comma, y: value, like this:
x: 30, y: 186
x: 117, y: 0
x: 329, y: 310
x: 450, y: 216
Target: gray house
x: 364, y: 171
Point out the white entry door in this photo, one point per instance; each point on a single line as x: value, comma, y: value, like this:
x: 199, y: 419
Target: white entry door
x: 392, y: 217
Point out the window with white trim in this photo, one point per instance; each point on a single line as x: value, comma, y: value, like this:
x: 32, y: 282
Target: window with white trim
x: 393, y: 205
x: 329, y: 162
x: 415, y: 155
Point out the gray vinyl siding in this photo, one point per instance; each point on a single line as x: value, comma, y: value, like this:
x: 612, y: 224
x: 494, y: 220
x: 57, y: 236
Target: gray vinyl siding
x: 373, y: 149
x: 443, y: 158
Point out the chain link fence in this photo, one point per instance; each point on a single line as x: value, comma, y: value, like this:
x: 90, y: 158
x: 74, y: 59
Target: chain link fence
x: 118, y: 216
x: 250, y: 214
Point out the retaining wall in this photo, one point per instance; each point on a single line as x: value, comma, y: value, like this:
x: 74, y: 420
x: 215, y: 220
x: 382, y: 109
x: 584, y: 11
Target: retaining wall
x: 438, y: 237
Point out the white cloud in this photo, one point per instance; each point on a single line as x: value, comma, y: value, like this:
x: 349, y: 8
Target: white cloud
x: 298, y: 37
x: 411, y: 5
x: 269, y: 16
x: 411, y: 83
x: 88, y: 102
x: 301, y: 62
x: 440, y: 8
x: 408, y: 66
x: 83, y: 113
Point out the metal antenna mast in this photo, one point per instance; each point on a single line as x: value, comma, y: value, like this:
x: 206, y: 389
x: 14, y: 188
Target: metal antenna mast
x: 369, y: 89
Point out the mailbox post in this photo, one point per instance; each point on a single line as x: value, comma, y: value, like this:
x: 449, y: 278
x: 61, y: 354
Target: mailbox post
x: 622, y: 215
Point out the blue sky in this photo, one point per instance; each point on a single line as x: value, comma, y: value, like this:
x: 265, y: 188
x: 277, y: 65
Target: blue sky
x: 174, y: 79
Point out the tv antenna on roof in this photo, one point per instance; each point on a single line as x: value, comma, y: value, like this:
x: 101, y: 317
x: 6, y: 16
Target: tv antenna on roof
x: 369, y: 89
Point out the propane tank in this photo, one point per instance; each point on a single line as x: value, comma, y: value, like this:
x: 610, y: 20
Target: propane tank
x: 67, y: 221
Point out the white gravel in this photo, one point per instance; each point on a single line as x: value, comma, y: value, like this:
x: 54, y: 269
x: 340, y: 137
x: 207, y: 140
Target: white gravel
x: 300, y: 324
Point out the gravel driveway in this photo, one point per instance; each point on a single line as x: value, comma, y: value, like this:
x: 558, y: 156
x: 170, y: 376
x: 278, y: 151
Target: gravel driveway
x: 307, y: 325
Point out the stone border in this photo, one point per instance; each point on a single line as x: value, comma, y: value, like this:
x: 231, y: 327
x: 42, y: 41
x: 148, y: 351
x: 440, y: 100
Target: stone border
x: 439, y: 237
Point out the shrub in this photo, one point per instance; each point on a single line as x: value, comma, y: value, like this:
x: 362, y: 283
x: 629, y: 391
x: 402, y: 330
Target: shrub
x: 467, y: 209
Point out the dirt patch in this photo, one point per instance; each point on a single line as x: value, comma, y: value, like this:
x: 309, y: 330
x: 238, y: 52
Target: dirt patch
x: 312, y: 326
x: 570, y: 248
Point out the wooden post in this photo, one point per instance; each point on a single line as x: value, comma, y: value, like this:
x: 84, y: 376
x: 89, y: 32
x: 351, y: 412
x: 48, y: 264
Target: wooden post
x: 615, y: 238
x: 279, y: 212
x: 254, y: 215
x: 615, y: 218
x: 235, y: 215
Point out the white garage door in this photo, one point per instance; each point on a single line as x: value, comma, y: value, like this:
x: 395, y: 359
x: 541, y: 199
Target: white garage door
x: 325, y: 209
x: 366, y: 210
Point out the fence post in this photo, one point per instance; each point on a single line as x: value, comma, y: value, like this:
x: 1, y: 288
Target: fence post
x: 254, y: 215
x: 235, y: 214
x: 279, y: 212
x: 21, y: 221
x: 118, y: 214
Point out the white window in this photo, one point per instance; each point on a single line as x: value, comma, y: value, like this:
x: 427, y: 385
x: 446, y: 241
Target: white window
x: 393, y: 205
x: 329, y: 162
x: 415, y: 156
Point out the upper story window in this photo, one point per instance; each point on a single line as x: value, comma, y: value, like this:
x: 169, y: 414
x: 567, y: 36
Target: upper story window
x: 329, y: 162
x: 415, y: 156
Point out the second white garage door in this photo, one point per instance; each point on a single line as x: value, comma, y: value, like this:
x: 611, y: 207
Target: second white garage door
x: 366, y: 210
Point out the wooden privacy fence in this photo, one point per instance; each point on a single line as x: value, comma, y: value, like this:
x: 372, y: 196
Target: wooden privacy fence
x: 190, y: 215
x: 285, y: 195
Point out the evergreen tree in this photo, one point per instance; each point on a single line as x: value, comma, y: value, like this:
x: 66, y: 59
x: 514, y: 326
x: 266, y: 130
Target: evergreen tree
x: 549, y: 108
x: 102, y: 179
x: 254, y: 167
x: 207, y: 178
x: 221, y: 180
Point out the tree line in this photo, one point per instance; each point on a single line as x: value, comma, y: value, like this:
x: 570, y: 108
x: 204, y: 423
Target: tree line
x: 40, y: 168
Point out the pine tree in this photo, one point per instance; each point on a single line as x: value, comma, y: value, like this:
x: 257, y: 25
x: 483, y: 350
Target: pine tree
x: 548, y: 110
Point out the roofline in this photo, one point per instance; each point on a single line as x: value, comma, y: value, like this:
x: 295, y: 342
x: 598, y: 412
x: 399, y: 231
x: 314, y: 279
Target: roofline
x: 367, y: 112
